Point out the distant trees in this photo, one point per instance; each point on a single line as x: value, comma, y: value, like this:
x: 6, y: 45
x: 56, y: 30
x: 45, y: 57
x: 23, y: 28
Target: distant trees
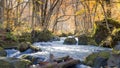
x: 43, y: 11
x: 54, y: 14
x: 1, y: 11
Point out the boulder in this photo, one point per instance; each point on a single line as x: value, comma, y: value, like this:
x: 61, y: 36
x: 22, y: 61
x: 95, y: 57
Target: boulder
x: 92, y: 57
x: 33, y: 59
x: 104, y: 36
x: 114, y: 59
x: 85, y: 40
x: 27, y: 45
x: 23, y: 46
x: 2, y: 52
x: 14, y: 63
x: 42, y: 36
x: 55, y: 38
x: 70, y: 41
x: 100, y: 62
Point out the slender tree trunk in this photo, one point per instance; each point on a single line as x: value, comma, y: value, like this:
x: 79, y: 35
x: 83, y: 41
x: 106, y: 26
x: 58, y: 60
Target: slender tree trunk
x: 1, y: 11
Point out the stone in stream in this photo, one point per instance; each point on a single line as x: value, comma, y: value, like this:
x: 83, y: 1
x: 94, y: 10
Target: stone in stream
x: 100, y: 62
x: 34, y: 59
x: 2, y: 52
x: 114, y: 60
x: 70, y: 41
x: 26, y: 45
x: 55, y: 38
x: 6, y: 62
x: 92, y: 57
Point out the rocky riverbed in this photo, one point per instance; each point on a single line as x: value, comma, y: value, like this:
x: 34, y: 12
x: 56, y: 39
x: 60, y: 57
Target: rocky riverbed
x: 58, y: 49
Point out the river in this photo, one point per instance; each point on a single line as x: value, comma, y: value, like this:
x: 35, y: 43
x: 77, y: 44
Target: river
x: 58, y: 49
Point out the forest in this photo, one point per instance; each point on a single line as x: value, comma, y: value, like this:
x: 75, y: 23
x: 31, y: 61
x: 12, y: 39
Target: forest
x: 59, y: 33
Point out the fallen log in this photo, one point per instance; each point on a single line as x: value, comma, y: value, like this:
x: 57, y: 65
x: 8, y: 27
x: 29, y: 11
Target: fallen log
x: 50, y: 65
x: 68, y: 63
x: 62, y: 59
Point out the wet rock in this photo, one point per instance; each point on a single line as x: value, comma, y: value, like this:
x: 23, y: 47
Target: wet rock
x: 55, y: 38
x: 85, y: 40
x: 114, y: 60
x: 100, y: 62
x: 14, y: 63
x: 26, y: 45
x: 70, y: 41
x: 91, y: 58
x: 2, y: 52
x: 23, y: 46
x: 33, y: 59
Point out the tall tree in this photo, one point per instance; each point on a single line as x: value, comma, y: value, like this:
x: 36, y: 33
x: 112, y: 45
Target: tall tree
x: 1, y: 11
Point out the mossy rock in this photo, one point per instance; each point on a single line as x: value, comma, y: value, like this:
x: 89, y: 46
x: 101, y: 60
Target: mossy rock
x: 35, y: 49
x: 33, y: 59
x: 85, y: 40
x: 42, y: 36
x: 27, y: 45
x: 2, y: 52
x: 70, y: 41
x: 102, y: 33
x: 91, y: 58
x: 14, y: 63
x: 23, y: 46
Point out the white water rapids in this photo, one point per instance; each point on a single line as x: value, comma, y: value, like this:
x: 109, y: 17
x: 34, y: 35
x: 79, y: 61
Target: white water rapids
x: 58, y: 49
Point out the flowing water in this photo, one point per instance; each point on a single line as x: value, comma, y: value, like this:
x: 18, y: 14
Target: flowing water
x: 58, y: 49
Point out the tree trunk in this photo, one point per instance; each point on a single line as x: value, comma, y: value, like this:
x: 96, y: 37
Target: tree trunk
x: 1, y: 11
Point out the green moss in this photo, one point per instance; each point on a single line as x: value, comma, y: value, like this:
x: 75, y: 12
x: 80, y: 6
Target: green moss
x: 25, y: 37
x: 2, y: 52
x: 13, y: 63
x: 10, y: 37
x: 42, y: 36
x: 86, y: 40
x: 23, y: 46
x: 91, y: 58
x: 70, y: 41
x: 101, y: 34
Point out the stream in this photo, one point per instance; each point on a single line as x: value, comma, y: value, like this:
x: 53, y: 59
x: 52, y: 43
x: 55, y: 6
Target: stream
x: 58, y: 49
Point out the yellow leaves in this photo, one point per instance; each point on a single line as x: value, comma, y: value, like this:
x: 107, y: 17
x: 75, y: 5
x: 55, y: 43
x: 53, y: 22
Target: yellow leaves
x: 80, y: 12
x: 19, y: 1
x: 40, y: 2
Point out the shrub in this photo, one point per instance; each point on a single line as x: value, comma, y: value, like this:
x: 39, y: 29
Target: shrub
x: 10, y: 37
x: 63, y: 35
x: 25, y: 37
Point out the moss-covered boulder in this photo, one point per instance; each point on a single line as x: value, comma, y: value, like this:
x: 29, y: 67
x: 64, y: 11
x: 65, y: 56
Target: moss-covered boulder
x: 2, y: 52
x: 91, y: 58
x: 23, y: 46
x: 85, y: 40
x: 14, y: 63
x: 33, y: 59
x: 70, y: 41
x: 27, y: 45
x: 104, y: 36
x: 42, y: 36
